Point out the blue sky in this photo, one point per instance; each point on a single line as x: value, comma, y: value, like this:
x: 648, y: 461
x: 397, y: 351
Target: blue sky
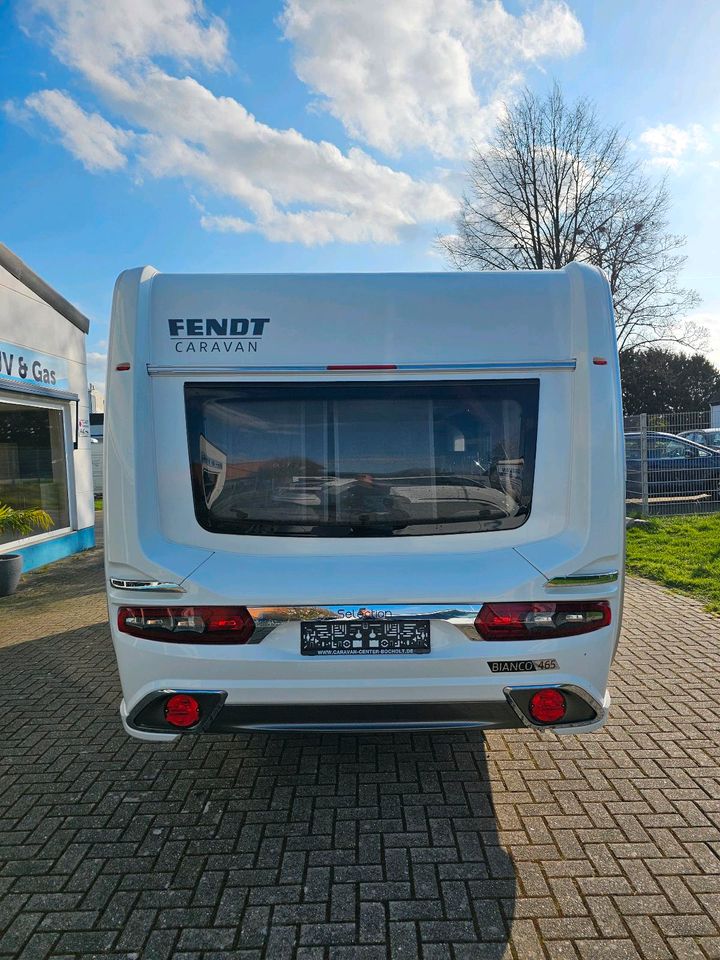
x: 318, y: 134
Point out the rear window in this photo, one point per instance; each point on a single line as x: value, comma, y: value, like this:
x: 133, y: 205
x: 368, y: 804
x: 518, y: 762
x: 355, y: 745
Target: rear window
x: 362, y: 459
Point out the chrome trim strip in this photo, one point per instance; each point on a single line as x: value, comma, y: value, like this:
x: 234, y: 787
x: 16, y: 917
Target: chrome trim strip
x: 508, y: 691
x: 147, y: 586
x: 584, y: 580
x: 159, y: 370
x: 571, y: 688
x: 461, y: 615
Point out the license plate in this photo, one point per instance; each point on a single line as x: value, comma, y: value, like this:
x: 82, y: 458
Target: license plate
x: 333, y: 638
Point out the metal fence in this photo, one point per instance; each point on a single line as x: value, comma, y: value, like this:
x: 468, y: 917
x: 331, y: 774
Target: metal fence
x: 673, y: 464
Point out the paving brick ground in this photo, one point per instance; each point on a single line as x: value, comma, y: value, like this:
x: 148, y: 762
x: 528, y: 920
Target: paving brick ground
x: 339, y: 847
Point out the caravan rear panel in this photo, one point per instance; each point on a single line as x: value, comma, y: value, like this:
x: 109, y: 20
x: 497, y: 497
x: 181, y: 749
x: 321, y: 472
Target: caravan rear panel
x: 373, y: 500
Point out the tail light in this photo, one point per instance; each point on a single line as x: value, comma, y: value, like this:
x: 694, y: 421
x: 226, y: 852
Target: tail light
x: 188, y: 624
x: 541, y: 620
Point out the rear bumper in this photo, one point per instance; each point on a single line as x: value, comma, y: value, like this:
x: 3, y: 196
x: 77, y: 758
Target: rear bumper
x: 462, y: 682
x: 146, y: 721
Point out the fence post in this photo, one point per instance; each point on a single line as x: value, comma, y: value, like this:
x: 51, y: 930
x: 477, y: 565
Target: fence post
x: 645, y: 509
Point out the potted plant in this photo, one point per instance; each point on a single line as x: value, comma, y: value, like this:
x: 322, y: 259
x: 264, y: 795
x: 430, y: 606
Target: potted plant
x: 22, y: 523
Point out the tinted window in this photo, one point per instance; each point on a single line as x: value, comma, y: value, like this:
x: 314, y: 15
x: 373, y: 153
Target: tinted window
x: 362, y: 459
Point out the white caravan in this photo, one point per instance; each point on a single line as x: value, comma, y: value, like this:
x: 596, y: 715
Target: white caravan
x: 386, y: 501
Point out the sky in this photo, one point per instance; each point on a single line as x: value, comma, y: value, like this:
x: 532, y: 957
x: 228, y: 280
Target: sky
x: 319, y: 135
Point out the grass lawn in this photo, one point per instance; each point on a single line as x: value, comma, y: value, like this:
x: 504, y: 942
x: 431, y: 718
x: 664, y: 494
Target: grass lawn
x: 682, y: 553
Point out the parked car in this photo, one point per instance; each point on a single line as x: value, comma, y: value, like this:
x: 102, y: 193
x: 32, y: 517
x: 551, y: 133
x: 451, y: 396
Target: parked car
x: 676, y: 467
x: 708, y: 438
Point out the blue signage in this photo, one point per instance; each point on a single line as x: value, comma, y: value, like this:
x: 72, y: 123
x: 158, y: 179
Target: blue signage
x: 21, y: 365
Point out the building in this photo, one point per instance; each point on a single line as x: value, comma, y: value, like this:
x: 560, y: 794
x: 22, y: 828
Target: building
x: 45, y: 458
x: 715, y: 410
x: 97, y: 431
x: 97, y: 399
x: 97, y: 420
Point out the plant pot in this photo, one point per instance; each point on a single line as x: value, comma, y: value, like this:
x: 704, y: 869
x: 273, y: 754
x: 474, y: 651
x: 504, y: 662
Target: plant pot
x: 10, y: 570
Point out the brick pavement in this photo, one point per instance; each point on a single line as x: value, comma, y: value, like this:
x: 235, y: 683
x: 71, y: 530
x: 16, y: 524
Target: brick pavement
x: 355, y: 847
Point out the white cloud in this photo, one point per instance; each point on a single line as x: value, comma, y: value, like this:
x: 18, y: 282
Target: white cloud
x: 97, y: 369
x: 710, y: 321
x: 674, y: 141
x: 669, y: 145
x: 99, y: 36
x: 215, y: 141
x: 421, y: 73
x: 225, y: 224
x: 294, y: 188
x: 398, y: 74
x: 88, y: 136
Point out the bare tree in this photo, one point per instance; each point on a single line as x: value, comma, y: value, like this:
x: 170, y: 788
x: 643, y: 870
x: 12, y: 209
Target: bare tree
x: 555, y: 185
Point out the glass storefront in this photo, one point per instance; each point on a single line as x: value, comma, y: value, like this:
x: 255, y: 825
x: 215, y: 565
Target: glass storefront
x: 33, y: 461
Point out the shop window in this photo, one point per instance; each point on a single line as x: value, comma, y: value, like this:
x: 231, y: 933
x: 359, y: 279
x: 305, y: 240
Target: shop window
x: 33, y: 465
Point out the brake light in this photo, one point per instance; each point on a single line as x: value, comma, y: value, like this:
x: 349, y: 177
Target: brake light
x: 547, y: 706
x: 541, y: 620
x: 188, y: 624
x: 182, y: 710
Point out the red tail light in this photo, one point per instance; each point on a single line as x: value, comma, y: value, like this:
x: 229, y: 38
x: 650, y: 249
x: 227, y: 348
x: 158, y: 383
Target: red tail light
x: 188, y: 624
x: 547, y: 706
x: 182, y: 710
x: 541, y: 620
x: 361, y: 366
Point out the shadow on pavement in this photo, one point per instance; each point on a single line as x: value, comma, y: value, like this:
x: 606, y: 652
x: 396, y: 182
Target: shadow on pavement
x: 267, y: 842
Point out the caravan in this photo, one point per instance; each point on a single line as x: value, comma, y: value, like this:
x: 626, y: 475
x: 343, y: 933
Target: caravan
x: 385, y: 501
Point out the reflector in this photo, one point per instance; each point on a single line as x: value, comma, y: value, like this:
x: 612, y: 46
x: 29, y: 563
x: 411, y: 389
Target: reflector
x: 547, y: 706
x: 182, y: 710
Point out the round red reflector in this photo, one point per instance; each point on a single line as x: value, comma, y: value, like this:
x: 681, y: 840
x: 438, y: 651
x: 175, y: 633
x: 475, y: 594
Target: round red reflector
x: 182, y: 710
x: 547, y: 706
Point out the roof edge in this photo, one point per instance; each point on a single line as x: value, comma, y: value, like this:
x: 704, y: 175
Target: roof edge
x: 22, y: 272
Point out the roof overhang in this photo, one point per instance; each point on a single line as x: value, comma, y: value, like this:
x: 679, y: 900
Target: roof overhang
x: 22, y: 272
